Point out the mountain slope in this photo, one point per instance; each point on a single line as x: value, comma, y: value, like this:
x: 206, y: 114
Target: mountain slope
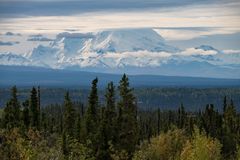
x: 135, y: 51
x: 130, y: 40
x: 13, y: 59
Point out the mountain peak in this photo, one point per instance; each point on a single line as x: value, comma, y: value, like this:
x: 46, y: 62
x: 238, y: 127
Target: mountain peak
x: 130, y: 40
x: 10, y: 58
x: 133, y: 50
x: 207, y: 48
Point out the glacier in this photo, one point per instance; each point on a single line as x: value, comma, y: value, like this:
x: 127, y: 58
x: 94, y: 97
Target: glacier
x: 134, y: 51
x: 111, y: 48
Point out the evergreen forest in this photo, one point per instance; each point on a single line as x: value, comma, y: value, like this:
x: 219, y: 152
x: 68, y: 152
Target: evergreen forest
x: 115, y: 128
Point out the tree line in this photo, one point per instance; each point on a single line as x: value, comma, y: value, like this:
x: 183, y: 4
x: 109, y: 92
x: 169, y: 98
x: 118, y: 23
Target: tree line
x: 115, y: 130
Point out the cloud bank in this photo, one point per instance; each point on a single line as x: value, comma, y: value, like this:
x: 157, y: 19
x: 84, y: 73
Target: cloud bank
x: 8, y: 43
x: 38, y: 37
x: 221, y: 18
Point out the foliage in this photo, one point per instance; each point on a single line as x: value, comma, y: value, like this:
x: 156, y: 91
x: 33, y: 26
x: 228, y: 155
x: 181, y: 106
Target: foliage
x: 114, y: 128
x: 91, y: 117
x: 127, y: 117
x: 29, y: 146
x: 34, y: 110
x: 166, y: 146
x: 238, y: 153
x: 12, y: 110
x: 68, y: 116
x: 201, y: 147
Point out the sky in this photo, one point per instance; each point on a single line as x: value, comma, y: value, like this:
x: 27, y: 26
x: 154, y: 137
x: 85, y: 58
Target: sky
x: 182, y: 23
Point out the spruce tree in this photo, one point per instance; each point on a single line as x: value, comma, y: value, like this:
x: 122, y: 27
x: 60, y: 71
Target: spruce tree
x: 128, y: 133
x: 34, y: 113
x: 91, y: 117
x: 26, y: 118
x: 102, y: 135
x: 107, y: 130
x: 170, y: 122
x: 229, y: 131
x: 110, y: 112
x: 230, y: 116
x: 78, y: 127
x: 68, y: 117
x: 39, y: 107
x: 44, y: 122
x: 12, y: 110
x: 64, y: 145
x: 158, y: 121
x: 224, y: 103
x: 181, y: 116
x: 210, y: 120
x: 190, y: 126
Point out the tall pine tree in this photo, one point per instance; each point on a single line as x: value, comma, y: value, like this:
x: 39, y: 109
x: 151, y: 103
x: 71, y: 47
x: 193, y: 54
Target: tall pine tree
x: 110, y: 112
x: 39, y: 107
x: 12, y: 110
x: 34, y: 112
x: 229, y: 130
x: 68, y: 117
x: 158, y: 121
x: 91, y: 117
x: 225, y: 103
x: 128, y: 127
x: 25, y: 114
x: 107, y: 129
x: 181, y: 116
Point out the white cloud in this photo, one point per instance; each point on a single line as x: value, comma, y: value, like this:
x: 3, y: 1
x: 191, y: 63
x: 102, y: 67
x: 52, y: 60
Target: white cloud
x: 75, y: 35
x: 194, y: 51
x: 12, y: 34
x: 138, y: 54
x: 137, y: 59
x: 7, y: 43
x: 231, y: 52
x: 187, y: 34
x: 225, y: 17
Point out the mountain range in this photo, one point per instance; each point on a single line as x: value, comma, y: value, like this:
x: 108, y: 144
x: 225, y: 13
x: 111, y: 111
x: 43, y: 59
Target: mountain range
x: 132, y: 51
x: 30, y: 76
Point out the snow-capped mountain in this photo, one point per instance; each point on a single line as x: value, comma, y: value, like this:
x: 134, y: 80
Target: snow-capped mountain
x: 122, y: 46
x: 120, y: 40
x: 141, y: 51
x: 130, y: 40
x: 13, y: 59
x: 207, y: 48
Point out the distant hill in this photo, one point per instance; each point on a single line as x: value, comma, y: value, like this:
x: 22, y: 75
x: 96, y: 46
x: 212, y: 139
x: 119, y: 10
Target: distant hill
x: 28, y: 76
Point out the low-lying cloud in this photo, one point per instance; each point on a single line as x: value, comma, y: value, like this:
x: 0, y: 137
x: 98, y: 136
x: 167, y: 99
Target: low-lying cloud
x: 8, y: 43
x: 43, y: 39
x: 75, y: 35
x: 195, y: 51
x: 12, y: 34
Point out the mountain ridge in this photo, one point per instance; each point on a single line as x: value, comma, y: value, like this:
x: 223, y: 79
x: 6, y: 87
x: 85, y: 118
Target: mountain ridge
x: 29, y: 76
x: 131, y: 50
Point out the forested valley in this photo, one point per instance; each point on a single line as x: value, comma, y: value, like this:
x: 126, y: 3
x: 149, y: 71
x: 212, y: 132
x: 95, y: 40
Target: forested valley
x: 152, y: 97
x: 116, y: 129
